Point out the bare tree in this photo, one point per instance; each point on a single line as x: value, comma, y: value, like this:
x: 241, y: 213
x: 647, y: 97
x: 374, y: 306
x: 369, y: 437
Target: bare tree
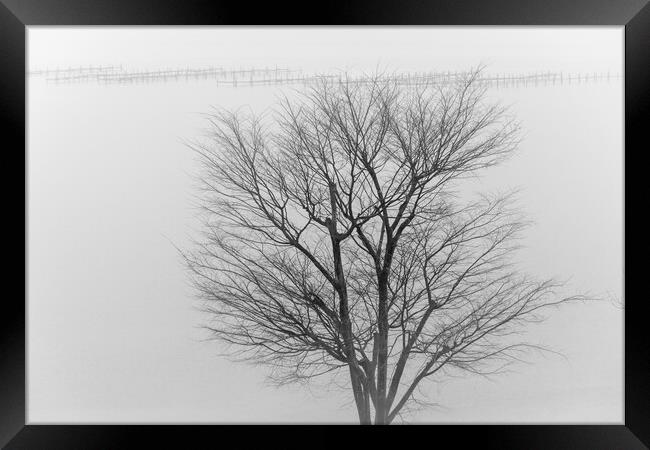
x: 333, y: 239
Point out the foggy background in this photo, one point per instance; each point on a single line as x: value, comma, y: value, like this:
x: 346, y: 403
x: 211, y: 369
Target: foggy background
x: 113, y: 331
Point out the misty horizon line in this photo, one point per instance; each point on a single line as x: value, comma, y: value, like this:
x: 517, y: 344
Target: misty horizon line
x: 118, y: 74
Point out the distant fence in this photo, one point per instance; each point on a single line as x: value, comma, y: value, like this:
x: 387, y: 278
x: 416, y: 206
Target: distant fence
x: 117, y: 74
x: 284, y: 76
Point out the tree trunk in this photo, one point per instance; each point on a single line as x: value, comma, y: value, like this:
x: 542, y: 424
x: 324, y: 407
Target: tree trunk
x: 381, y: 413
x: 360, y: 398
x: 359, y: 390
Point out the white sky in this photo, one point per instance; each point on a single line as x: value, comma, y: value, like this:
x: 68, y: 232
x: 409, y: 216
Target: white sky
x: 502, y: 49
x: 112, y: 333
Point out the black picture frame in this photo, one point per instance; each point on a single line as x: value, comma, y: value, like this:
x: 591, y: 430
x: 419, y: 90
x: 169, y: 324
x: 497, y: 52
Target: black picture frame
x: 15, y: 15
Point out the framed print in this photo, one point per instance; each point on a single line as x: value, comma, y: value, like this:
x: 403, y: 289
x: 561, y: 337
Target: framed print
x: 373, y: 215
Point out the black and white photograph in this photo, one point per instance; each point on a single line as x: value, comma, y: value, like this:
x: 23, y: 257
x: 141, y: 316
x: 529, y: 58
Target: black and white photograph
x: 324, y: 225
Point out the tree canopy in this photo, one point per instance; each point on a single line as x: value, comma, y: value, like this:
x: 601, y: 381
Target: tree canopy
x: 333, y: 239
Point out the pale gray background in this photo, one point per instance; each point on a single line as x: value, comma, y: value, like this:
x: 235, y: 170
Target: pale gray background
x: 112, y: 329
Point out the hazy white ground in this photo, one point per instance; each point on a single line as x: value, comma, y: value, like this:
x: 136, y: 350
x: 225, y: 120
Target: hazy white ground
x: 112, y: 333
